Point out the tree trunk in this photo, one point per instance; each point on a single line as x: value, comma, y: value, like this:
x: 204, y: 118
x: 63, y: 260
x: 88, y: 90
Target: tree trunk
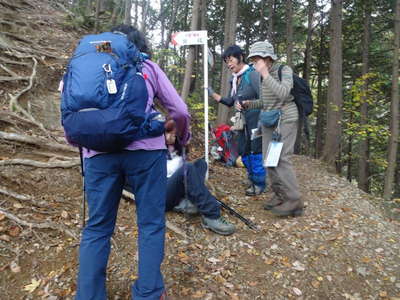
x: 174, y: 6
x: 89, y: 7
x: 96, y: 17
x: 114, y: 14
x: 301, y: 139
x: 363, y: 162
x: 307, y: 54
x: 145, y: 12
x: 350, y: 152
x: 335, y: 96
x: 321, y: 98
x: 191, y: 55
x: 136, y: 17
x: 289, y: 33
x: 271, y: 12
x: 394, y: 110
x: 229, y: 39
x: 203, y: 19
x: 128, y: 17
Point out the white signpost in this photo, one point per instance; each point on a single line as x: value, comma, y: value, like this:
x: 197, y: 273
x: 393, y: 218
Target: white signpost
x: 185, y: 38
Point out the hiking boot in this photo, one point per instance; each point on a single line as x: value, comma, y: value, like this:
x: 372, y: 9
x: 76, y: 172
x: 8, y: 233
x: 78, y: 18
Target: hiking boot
x: 186, y: 207
x: 271, y: 203
x: 289, y: 208
x: 220, y: 225
x: 254, y: 190
x: 247, y: 183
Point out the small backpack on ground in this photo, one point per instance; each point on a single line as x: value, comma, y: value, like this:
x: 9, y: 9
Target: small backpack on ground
x: 104, y: 95
x: 225, y: 139
x: 301, y: 93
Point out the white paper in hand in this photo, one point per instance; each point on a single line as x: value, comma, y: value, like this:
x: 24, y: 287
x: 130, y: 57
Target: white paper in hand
x: 273, y: 154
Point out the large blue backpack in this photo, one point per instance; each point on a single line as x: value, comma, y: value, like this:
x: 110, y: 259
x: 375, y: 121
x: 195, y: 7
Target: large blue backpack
x: 104, y: 97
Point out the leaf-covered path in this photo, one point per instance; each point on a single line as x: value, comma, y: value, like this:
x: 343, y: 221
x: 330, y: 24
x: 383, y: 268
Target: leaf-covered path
x: 344, y: 247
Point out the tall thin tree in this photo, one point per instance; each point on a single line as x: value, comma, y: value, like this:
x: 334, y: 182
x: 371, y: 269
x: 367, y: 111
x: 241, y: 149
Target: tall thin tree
x: 229, y: 39
x: 394, y: 109
x: 128, y: 16
x: 191, y: 55
x: 289, y: 33
x: 335, y: 96
x: 363, y: 162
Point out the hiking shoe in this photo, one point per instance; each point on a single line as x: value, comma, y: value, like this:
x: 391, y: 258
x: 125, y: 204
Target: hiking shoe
x: 254, y: 190
x: 289, y: 208
x: 220, y: 225
x: 247, y: 183
x: 186, y: 207
x: 271, y: 203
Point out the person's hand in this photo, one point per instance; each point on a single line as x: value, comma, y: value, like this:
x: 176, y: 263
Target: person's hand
x: 213, y: 94
x: 243, y: 105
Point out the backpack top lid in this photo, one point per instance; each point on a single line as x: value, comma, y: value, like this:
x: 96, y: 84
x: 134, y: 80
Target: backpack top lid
x: 115, y: 43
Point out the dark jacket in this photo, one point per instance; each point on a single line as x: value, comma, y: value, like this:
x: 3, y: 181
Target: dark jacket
x: 248, y: 89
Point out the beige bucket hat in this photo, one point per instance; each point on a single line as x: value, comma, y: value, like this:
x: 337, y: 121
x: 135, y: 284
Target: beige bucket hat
x: 262, y: 49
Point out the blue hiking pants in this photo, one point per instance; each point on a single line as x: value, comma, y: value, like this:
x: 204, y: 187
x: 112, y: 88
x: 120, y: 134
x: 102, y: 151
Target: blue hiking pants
x: 255, y: 169
x: 105, y: 176
x: 196, y: 190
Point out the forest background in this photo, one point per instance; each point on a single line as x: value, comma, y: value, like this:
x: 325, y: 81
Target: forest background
x: 348, y: 51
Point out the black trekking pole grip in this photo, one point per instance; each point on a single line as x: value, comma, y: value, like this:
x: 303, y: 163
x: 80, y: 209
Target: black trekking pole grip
x: 249, y: 223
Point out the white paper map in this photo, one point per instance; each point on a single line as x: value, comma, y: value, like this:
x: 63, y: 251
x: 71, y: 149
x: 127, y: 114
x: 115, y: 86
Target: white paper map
x: 273, y: 154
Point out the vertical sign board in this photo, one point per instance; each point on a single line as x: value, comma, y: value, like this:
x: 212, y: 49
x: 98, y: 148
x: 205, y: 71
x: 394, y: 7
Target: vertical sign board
x: 185, y: 38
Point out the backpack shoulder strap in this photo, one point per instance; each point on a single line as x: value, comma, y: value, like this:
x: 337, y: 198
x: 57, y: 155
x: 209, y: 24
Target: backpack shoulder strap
x: 280, y: 72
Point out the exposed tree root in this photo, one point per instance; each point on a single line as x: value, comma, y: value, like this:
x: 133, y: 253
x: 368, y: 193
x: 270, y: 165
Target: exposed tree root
x: 39, y: 164
x: 14, y: 105
x: 13, y: 78
x: 35, y: 141
x: 52, y: 156
x: 13, y: 118
x: 45, y: 225
x: 23, y: 198
x: 13, y: 62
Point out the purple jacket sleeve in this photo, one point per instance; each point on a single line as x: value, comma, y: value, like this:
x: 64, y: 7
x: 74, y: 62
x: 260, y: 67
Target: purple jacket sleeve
x: 169, y: 98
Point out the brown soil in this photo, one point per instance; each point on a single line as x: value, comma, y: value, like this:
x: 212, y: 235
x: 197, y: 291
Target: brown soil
x: 344, y: 247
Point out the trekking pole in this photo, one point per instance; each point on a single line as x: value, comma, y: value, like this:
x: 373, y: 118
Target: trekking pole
x: 249, y: 223
x: 83, y: 205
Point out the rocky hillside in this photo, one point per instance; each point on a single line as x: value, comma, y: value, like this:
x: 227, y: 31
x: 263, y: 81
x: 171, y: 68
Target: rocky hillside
x: 344, y: 247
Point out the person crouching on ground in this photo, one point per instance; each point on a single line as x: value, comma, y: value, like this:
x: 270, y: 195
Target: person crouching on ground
x: 186, y: 191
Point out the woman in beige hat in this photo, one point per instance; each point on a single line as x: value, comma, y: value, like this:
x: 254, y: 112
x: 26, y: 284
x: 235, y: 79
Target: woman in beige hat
x: 275, y: 94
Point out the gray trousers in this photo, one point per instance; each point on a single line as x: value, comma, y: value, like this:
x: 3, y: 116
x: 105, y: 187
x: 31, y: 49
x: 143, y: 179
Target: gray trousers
x: 282, y: 178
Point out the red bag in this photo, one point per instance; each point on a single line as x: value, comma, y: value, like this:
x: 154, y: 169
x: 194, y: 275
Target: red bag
x: 224, y: 138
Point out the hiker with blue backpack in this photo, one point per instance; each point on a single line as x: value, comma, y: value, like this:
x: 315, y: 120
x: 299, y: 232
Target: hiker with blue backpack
x: 245, y: 85
x: 107, y: 110
x: 279, y: 121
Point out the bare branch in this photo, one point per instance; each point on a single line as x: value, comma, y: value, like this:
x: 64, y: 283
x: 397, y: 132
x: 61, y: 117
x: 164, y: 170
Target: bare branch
x: 35, y: 141
x: 23, y: 198
x: 13, y: 62
x: 7, y: 78
x: 8, y: 71
x: 46, y: 225
x: 39, y: 164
